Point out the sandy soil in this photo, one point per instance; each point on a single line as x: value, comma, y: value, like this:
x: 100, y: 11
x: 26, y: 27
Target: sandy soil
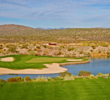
x: 74, y: 59
x: 51, y: 68
x: 7, y: 59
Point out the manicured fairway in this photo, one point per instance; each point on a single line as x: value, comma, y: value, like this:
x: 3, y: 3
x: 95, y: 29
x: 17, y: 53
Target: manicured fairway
x: 78, y: 89
x: 26, y: 61
x: 46, y: 60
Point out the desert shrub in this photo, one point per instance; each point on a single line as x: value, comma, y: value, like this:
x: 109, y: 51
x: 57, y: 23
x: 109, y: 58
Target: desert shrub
x: 18, y: 79
x: 89, y: 77
x: 95, y: 77
x: 32, y: 53
x: 27, y: 78
x: 54, y: 79
x: 15, y: 79
x: 41, y: 79
x: 109, y: 75
x: 49, y: 78
x: 22, y: 79
x: 68, y: 77
x: 12, y: 49
x: 84, y: 78
x: 70, y: 49
x: 93, y: 47
x: 38, y: 47
x: 60, y: 78
x: 1, y: 50
x: 59, y: 53
x: 1, y: 80
x: 84, y: 73
x: 106, y: 76
x: 100, y: 74
x: 44, y: 46
x: 24, y: 46
x: 63, y: 74
x: 12, y: 80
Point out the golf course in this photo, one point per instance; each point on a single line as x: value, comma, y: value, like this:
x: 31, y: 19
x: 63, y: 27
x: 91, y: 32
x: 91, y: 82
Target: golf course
x: 35, y: 62
x: 78, y: 89
x: 81, y: 88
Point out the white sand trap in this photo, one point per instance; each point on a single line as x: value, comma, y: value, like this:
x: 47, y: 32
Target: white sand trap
x: 51, y: 69
x: 7, y: 59
x: 74, y: 59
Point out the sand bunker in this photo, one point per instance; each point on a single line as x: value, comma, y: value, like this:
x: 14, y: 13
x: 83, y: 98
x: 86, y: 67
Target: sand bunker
x: 7, y: 59
x: 74, y: 59
x: 51, y: 68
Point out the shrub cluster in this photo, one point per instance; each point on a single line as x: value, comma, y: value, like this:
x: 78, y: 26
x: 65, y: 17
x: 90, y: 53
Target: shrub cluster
x: 62, y: 76
x: 84, y: 73
x: 1, y: 80
x: 15, y: 79
x: 27, y: 78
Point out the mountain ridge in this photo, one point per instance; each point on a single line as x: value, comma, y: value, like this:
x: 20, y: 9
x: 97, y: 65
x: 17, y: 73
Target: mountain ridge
x: 16, y: 33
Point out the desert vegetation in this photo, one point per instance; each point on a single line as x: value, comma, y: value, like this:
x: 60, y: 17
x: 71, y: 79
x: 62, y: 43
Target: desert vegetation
x: 16, y: 39
x: 63, y: 76
x: 82, y: 49
x: 17, y: 33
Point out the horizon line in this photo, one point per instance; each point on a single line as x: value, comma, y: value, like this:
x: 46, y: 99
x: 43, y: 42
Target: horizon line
x: 49, y: 28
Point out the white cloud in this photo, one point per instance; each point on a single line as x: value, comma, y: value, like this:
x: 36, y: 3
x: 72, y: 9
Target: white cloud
x: 64, y: 11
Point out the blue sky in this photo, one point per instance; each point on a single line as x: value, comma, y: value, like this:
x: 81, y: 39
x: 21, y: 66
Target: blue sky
x: 56, y: 13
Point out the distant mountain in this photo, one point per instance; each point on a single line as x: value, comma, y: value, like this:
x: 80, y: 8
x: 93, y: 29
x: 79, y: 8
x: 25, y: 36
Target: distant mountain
x: 17, y: 33
x: 49, y: 28
x: 12, y: 29
x: 56, y: 28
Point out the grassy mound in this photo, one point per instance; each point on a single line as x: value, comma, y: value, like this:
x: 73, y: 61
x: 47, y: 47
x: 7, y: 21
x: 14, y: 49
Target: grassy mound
x: 26, y: 61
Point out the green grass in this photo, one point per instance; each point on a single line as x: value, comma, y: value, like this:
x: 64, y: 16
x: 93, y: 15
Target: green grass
x: 47, y: 60
x: 78, y: 89
x: 26, y: 61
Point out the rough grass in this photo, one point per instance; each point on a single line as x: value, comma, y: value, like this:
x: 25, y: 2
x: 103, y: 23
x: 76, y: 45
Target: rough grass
x: 26, y: 61
x: 78, y: 89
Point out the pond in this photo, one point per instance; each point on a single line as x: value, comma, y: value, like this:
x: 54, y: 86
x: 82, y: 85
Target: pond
x: 95, y: 66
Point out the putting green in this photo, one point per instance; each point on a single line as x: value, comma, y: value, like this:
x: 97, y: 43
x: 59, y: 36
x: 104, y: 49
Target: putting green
x: 46, y: 59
